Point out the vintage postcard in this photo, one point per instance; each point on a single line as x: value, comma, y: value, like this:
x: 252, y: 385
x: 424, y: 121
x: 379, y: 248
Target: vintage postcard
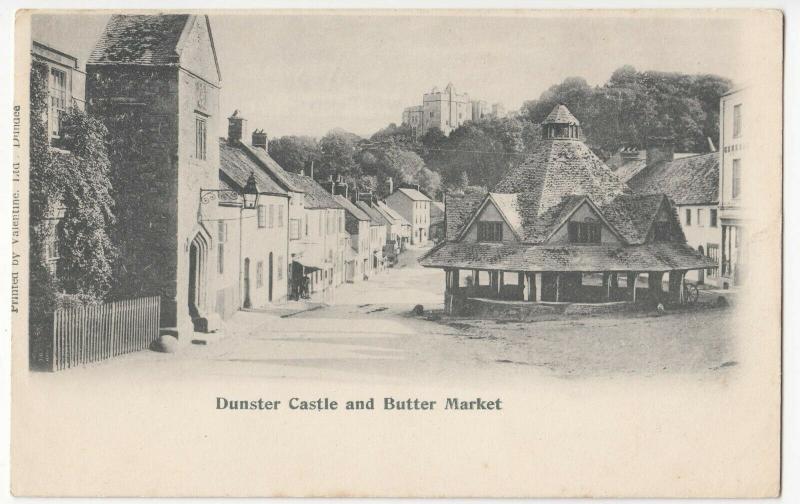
x: 397, y: 253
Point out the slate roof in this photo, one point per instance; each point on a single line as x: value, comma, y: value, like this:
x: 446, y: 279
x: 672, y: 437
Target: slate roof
x: 272, y: 167
x: 460, y: 208
x: 584, y: 258
x: 413, y: 194
x: 561, y: 168
x: 351, y: 208
x: 236, y: 165
x: 686, y: 181
x: 376, y: 217
x: 561, y: 115
x: 393, y: 213
x: 140, y: 40
x: 316, y: 197
x: 630, y: 215
x: 630, y: 168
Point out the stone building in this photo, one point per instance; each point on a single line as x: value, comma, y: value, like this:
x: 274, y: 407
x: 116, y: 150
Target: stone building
x: 415, y: 207
x: 692, y: 185
x: 446, y: 110
x: 733, y: 131
x: 560, y: 228
x: 320, y: 251
x: 377, y: 232
x: 66, y: 84
x: 357, y: 225
x: 154, y: 80
x: 252, y: 245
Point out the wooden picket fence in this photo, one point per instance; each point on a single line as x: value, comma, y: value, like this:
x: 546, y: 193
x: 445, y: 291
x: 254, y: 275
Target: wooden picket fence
x: 98, y: 332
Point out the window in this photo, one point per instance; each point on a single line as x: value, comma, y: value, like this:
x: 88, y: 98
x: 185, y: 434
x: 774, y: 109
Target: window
x: 280, y: 267
x: 262, y: 216
x: 51, y: 249
x: 662, y: 231
x: 294, y: 229
x: 712, y: 251
x: 58, y: 99
x: 280, y: 216
x: 736, y: 186
x: 221, y: 258
x: 272, y: 216
x: 700, y: 217
x: 490, y: 231
x: 713, y: 217
x: 200, y: 138
x: 737, y: 120
x: 584, y: 232
x: 260, y: 274
x: 688, y: 216
x: 222, y: 231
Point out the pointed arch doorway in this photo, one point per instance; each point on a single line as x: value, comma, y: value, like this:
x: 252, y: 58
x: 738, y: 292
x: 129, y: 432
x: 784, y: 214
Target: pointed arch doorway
x: 198, y: 261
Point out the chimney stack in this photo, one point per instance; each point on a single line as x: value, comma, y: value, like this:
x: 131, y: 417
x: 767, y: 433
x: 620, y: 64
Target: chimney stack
x: 332, y: 184
x: 237, y: 127
x: 711, y: 146
x: 259, y: 139
x: 390, y: 183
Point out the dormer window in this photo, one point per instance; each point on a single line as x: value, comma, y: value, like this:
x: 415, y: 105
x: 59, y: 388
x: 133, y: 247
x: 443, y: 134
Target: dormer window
x: 490, y: 231
x: 584, y: 232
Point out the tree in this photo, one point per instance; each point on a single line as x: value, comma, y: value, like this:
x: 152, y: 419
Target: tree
x: 338, y: 155
x: 295, y: 153
x: 429, y: 182
x: 70, y: 187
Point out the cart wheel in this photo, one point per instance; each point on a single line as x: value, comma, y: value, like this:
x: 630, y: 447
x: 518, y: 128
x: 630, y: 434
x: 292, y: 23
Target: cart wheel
x: 691, y: 294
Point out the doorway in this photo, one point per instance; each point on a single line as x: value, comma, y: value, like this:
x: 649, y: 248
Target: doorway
x: 269, y: 278
x: 247, y: 303
x: 196, y: 298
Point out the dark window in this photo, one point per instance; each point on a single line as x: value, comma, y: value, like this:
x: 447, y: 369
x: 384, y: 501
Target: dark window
x: 490, y: 231
x: 688, y: 216
x: 737, y: 121
x: 262, y: 216
x: 713, y: 218
x: 736, y: 186
x: 584, y: 232
x: 200, y: 138
x: 294, y: 229
x: 662, y: 232
x: 58, y: 100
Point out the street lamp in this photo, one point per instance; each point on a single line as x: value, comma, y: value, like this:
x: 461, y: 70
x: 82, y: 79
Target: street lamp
x: 250, y: 193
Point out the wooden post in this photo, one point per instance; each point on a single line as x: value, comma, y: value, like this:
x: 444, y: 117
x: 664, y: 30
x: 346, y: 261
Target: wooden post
x: 476, y: 278
x: 521, y: 285
x: 537, y: 286
x: 683, y: 286
x: 558, y: 287
x: 631, y: 279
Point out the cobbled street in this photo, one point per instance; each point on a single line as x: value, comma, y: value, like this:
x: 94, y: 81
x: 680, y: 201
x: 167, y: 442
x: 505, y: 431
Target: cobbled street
x: 368, y: 334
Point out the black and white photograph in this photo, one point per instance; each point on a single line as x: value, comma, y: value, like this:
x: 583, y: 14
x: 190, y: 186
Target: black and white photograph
x: 454, y: 253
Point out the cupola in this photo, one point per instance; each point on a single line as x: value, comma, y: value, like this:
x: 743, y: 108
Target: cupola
x: 560, y: 124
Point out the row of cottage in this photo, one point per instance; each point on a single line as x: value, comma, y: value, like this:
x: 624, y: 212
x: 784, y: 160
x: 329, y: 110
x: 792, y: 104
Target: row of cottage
x: 210, y: 222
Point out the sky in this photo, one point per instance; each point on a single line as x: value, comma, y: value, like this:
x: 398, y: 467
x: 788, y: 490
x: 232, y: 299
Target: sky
x: 301, y: 74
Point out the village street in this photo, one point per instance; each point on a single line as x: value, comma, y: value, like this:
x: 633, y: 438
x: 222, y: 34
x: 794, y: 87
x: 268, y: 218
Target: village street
x: 368, y: 334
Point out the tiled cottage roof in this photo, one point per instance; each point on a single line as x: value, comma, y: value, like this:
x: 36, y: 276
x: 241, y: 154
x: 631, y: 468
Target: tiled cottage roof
x: 315, y: 195
x: 630, y: 168
x: 140, y: 39
x: 376, y: 217
x: 272, y: 167
x: 236, y: 165
x: 351, y: 208
x: 393, y: 213
x: 687, y: 181
x: 561, y: 168
x: 561, y: 115
x: 459, y: 209
x: 413, y: 194
x: 592, y: 258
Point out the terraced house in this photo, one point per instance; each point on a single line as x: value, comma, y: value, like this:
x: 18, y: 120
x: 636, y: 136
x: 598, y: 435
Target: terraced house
x: 692, y: 185
x: 560, y: 228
